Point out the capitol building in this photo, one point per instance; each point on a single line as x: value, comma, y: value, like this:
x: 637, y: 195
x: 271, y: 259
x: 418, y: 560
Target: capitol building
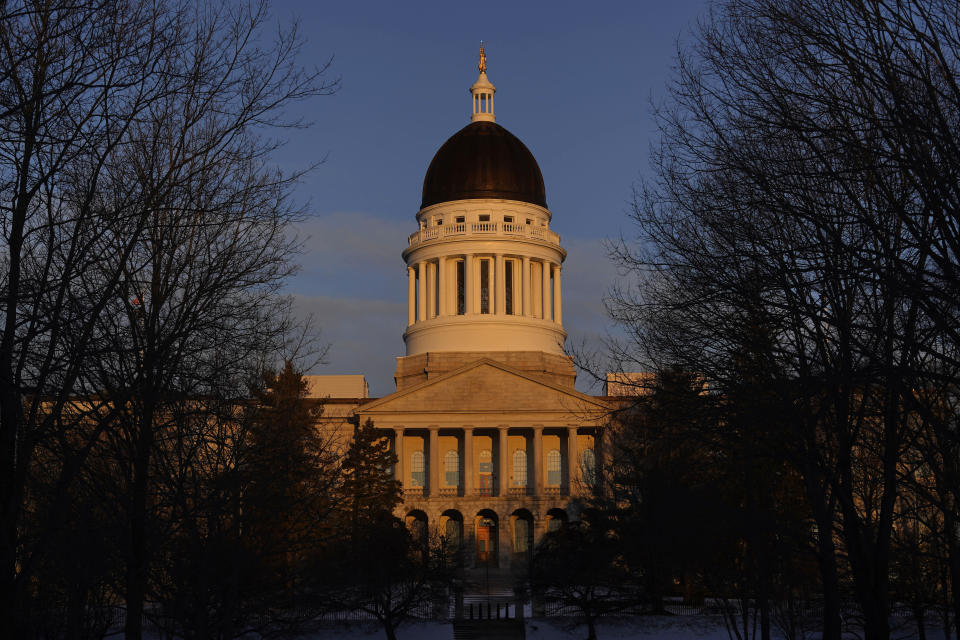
x: 494, y: 444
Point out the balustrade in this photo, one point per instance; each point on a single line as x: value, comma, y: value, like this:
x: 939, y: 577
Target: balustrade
x: 511, y: 229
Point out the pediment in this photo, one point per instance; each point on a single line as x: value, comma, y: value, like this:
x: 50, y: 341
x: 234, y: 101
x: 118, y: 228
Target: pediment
x: 485, y: 386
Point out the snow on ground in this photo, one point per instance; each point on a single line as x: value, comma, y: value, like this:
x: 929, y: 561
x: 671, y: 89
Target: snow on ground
x: 634, y: 628
x: 645, y: 628
x: 372, y: 631
x: 642, y: 628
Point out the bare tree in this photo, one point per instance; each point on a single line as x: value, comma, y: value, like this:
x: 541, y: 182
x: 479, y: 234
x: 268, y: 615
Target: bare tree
x: 800, y: 185
x: 75, y: 79
x: 144, y: 235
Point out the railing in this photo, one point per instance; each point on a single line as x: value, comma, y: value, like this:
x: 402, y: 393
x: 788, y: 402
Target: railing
x: 518, y: 491
x: 506, y: 229
x: 449, y: 492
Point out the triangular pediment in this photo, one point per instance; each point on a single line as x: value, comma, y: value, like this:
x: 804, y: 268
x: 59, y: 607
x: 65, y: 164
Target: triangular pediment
x: 486, y: 386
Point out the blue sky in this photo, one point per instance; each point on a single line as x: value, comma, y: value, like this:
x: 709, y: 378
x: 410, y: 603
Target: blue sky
x: 575, y: 82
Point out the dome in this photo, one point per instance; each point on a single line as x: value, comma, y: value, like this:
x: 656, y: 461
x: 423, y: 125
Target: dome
x: 483, y: 160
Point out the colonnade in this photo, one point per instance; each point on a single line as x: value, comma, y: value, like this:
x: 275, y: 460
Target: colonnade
x: 470, y: 472
x: 442, y: 287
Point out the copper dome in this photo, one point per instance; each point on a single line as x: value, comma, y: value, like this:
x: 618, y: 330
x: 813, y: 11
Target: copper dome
x: 483, y: 160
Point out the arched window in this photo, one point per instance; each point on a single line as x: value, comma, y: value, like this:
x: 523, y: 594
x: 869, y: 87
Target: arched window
x: 519, y: 468
x: 553, y: 468
x: 451, y: 468
x: 588, y: 467
x: 418, y: 475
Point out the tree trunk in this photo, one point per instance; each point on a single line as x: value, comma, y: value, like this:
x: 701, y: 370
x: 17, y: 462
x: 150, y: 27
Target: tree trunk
x: 390, y: 630
x: 10, y: 609
x: 826, y: 557
x: 136, y: 586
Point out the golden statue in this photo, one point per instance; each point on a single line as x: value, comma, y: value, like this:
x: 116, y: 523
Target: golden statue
x: 483, y: 59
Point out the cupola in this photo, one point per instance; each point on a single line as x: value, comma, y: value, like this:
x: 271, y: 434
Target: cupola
x: 484, y: 267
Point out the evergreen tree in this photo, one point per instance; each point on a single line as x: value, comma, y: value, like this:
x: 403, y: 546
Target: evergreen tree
x: 378, y: 566
x: 291, y: 475
x: 368, y: 485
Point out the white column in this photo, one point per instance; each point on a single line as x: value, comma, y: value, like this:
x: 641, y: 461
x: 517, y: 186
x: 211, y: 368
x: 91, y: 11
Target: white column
x: 469, y: 473
x: 503, y: 476
x: 433, y: 464
x: 422, y: 291
x: 557, y: 306
x: 538, y: 461
x: 431, y: 289
x: 398, y: 449
x: 442, y: 286
x: 468, y: 283
x: 525, y: 286
x: 411, y: 295
x: 545, y: 290
x: 573, y: 460
x: 501, y: 285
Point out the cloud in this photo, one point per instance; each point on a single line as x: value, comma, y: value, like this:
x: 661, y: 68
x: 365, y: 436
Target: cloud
x: 354, y: 255
x: 365, y: 336
x: 588, y: 276
x: 354, y: 284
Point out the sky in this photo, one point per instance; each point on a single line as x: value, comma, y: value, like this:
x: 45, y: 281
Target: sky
x: 576, y: 82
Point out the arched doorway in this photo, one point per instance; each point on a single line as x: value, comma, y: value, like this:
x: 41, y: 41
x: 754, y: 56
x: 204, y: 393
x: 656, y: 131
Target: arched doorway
x: 521, y: 526
x: 556, y: 518
x: 487, y: 534
x: 451, y: 524
x: 416, y: 522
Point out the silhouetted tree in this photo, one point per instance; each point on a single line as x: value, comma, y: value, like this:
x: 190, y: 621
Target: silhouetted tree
x: 379, y: 566
x: 248, y: 494
x: 581, y: 566
x: 660, y: 478
x: 802, y: 180
x: 144, y: 242
x: 369, y: 489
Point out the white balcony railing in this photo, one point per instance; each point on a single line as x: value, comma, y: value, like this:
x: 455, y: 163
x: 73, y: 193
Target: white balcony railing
x: 485, y: 229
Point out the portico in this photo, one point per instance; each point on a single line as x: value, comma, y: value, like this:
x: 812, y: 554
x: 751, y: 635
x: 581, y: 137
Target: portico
x: 486, y: 436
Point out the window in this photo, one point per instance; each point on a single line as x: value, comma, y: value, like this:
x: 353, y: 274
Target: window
x: 461, y: 219
x: 486, y: 461
x: 439, y: 222
x: 508, y: 218
x: 529, y: 221
x: 451, y: 467
x: 485, y: 217
x: 588, y: 466
x: 485, y: 487
x: 519, y: 468
x: 417, y: 473
x: 461, y: 290
x: 508, y: 286
x: 553, y: 468
x: 484, y: 286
